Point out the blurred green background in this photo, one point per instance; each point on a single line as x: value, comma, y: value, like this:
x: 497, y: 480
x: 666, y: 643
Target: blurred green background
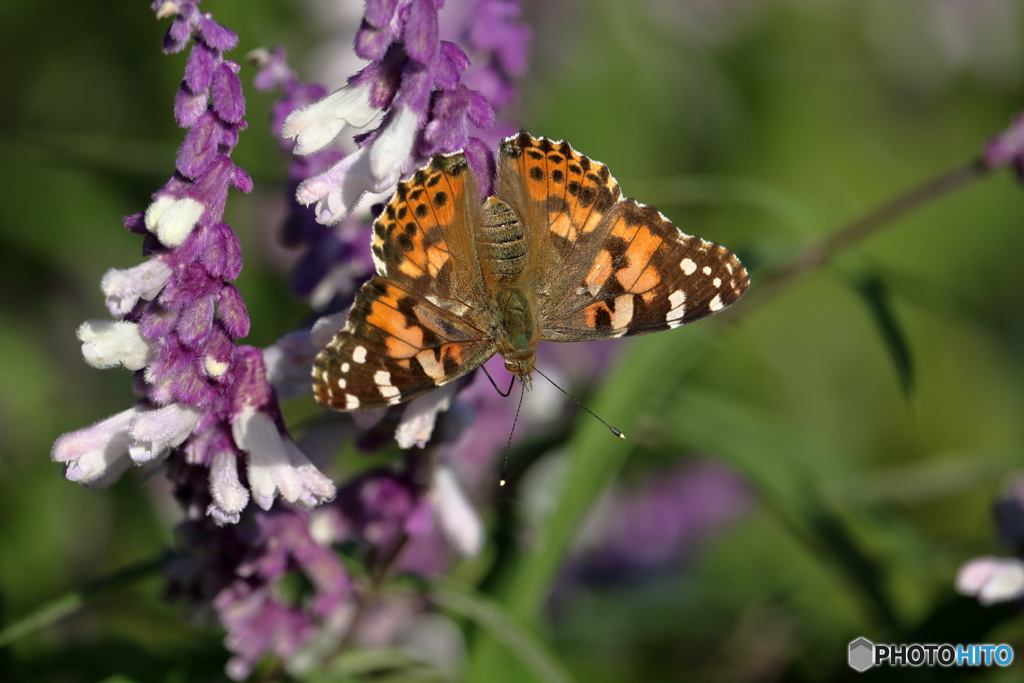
x: 755, y: 123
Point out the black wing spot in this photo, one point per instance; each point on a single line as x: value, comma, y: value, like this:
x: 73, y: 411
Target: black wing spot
x: 421, y: 211
x: 390, y: 211
x: 587, y: 196
x: 434, y: 180
x: 545, y: 145
x: 557, y: 176
x: 575, y: 169
x: 534, y: 154
x: 410, y: 228
x: 440, y: 199
x: 536, y: 173
x: 585, y: 163
x: 378, y: 230
x: 573, y: 188
x: 415, y: 194
x: 402, y: 212
x: 556, y: 158
x: 404, y: 242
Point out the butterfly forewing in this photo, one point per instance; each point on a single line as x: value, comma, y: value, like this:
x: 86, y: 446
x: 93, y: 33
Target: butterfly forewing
x: 646, y: 276
x: 422, y: 238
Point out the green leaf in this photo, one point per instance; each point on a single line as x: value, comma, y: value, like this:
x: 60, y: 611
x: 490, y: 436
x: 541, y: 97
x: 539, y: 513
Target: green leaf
x: 504, y: 628
x: 876, y: 295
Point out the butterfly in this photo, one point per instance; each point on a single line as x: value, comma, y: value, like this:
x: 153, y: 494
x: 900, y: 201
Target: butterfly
x: 556, y: 253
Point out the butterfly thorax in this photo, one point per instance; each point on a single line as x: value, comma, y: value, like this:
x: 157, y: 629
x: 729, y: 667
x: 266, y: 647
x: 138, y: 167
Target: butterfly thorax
x: 505, y: 255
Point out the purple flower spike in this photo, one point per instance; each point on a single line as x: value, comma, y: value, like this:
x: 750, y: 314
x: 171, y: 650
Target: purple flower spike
x: 205, y: 402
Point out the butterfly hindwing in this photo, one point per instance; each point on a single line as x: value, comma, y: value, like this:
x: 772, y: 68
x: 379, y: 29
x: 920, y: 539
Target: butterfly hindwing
x: 395, y: 346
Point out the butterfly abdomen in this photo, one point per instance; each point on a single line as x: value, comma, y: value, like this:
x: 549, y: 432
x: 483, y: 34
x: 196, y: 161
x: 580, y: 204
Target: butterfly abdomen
x: 503, y: 241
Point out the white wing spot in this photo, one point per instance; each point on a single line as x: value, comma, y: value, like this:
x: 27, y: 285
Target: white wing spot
x: 717, y: 282
x: 359, y: 354
x: 430, y: 365
x: 688, y: 266
x: 707, y: 270
x: 345, y: 367
x: 383, y: 380
x: 342, y: 383
x: 716, y: 303
x: 351, y: 402
x: 678, y: 301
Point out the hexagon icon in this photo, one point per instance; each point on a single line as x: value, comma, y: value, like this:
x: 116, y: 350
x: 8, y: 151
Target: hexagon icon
x: 862, y: 654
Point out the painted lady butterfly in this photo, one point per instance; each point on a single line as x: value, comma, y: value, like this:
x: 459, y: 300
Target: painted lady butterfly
x: 556, y: 254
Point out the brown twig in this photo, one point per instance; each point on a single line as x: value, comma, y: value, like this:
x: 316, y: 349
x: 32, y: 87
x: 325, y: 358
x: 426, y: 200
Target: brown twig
x: 820, y: 252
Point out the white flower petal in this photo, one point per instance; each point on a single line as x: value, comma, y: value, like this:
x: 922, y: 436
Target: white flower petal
x: 418, y: 420
x: 289, y: 362
x: 392, y: 148
x: 124, y: 288
x: 276, y: 464
x: 991, y: 579
x: 317, y: 125
x: 338, y: 190
x: 172, y: 220
x: 106, y: 343
x: 229, y: 496
x: 154, y: 433
x: 458, y: 519
x: 97, y: 455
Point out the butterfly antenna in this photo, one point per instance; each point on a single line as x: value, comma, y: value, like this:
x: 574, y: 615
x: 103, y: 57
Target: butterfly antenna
x: 503, y: 395
x: 614, y: 431
x: 508, y: 446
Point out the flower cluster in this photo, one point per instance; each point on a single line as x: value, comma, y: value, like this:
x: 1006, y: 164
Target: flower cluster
x: 177, y: 316
x: 1000, y: 579
x: 414, y: 81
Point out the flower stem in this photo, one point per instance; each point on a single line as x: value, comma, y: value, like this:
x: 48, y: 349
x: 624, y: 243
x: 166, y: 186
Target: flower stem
x: 820, y: 252
x: 54, y: 611
x: 372, y: 591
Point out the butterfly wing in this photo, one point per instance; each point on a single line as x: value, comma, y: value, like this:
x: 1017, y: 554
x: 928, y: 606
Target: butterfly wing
x: 423, y: 321
x: 609, y: 267
x: 395, y: 346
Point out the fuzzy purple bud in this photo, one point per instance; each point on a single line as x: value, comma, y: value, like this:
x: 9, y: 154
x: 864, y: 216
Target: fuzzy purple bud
x: 420, y: 32
x: 232, y: 311
x: 228, y: 101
